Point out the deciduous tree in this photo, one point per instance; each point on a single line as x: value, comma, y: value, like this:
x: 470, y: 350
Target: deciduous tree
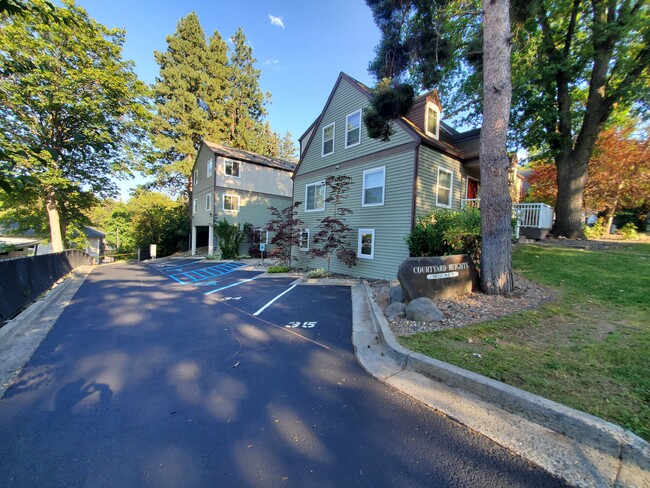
x: 73, y: 114
x: 333, y: 231
x: 619, y: 174
x: 285, y: 225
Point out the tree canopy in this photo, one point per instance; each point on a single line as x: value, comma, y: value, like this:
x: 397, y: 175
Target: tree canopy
x: 74, y: 111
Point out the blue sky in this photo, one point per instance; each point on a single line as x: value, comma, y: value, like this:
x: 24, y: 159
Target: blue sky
x: 301, y: 46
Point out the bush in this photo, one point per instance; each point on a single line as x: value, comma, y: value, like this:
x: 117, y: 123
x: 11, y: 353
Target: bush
x: 629, y: 231
x: 230, y: 237
x: 318, y: 273
x: 597, y: 230
x: 444, y: 232
x: 278, y: 269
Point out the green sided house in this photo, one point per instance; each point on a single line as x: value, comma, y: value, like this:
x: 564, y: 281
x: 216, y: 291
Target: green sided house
x: 238, y: 186
x: 425, y: 165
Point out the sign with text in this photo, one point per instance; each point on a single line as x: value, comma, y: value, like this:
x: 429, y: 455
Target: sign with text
x: 438, y: 277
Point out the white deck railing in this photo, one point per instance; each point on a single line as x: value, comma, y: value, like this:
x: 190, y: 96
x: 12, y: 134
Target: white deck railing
x: 538, y: 215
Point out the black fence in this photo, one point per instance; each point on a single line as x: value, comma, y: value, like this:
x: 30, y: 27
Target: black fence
x: 23, y: 280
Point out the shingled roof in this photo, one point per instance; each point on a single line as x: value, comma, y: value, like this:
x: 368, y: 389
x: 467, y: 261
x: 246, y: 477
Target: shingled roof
x: 250, y: 157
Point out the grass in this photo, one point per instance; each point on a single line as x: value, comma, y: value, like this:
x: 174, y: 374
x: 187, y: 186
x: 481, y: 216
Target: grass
x: 588, y: 349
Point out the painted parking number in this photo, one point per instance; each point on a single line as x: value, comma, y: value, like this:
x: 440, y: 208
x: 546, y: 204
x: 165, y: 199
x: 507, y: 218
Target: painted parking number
x: 304, y: 325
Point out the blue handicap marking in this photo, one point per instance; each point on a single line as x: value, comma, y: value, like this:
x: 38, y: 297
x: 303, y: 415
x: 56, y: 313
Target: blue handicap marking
x: 193, y: 276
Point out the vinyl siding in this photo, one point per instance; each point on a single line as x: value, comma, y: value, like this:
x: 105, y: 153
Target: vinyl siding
x: 253, y: 209
x: 391, y: 221
x: 345, y: 101
x: 427, y: 180
x: 255, y: 177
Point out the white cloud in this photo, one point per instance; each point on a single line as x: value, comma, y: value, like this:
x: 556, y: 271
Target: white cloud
x: 271, y: 61
x: 276, y: 21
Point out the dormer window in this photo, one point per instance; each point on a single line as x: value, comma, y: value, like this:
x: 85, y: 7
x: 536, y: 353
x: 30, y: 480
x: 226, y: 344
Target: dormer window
x: 432, y: 120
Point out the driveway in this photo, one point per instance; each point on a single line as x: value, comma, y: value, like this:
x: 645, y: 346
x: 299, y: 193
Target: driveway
x: 199, y: 374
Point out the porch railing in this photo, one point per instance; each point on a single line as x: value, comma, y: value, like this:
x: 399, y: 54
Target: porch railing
x: 537, y: 215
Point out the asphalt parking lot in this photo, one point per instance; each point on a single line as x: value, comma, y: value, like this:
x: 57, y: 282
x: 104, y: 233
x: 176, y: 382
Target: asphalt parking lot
x: 155, y: 376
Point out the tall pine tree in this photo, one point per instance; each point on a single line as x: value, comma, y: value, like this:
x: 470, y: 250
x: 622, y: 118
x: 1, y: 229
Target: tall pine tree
x: 246, y: 107
x: 180, y: 120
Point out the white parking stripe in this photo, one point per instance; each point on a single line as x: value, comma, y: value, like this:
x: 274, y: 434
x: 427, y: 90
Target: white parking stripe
x: 264, y: 307
x: 234, y: 284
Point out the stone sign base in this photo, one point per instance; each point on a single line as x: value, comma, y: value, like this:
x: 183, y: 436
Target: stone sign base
x: 438, y: 277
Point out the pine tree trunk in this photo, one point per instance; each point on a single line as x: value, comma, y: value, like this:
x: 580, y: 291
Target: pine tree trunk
x: 55, y: 223
x: 496, y: 204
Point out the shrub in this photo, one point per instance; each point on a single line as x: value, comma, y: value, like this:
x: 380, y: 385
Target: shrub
x: 597, y: 230
x: 628, y: 231
x: 444, y: 232
x: 318, y: 273
x: 230, y: 237
x: 278, y: 269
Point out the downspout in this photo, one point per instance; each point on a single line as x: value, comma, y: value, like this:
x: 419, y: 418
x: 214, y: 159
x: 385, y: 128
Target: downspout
x: 416, y: 167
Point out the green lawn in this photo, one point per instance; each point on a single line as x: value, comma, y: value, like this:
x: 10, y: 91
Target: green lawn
x: 589, y: 349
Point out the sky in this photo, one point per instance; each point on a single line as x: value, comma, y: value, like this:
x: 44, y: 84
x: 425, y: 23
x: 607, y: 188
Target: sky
x: 301, y: 46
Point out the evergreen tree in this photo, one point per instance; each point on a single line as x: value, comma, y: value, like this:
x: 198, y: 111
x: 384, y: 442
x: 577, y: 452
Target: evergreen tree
x: 287, y: 149
x: 217, y: 88
x: 181, y: 120
x: 246, y: 106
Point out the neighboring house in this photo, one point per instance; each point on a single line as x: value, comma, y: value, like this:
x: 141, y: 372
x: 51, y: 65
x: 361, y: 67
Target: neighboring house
x: 425, y: 165
x: 17, y: 247
x: 238, y: 186
x: 95, y: 241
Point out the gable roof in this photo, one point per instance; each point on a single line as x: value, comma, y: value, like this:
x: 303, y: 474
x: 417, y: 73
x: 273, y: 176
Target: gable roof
x: 466, y: 149
x: 250, y: 157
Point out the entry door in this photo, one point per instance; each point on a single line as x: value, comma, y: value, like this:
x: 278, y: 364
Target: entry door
x: 472, y: 188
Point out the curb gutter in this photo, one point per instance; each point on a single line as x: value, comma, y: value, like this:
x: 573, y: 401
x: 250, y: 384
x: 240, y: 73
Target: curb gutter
x: 579, y: 448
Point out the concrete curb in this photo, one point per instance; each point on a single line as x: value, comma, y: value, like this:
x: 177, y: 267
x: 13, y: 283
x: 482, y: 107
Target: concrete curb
x: 20, y: 337
x: 579, y: 448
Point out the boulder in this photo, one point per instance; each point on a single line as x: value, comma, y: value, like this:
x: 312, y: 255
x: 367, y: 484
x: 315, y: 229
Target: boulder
x: 396, y: 294
x: 438, y: 277
x: 423, y: 310
x: 394, y: 310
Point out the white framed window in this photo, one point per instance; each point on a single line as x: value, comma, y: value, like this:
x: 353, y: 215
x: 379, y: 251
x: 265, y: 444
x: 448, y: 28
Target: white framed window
x: 261, y: 236
x: 195, y: 205
x: 304, y: 240
x: 231, y: 203
x: 208, y: 202
x: 374, y: 184
x: 353, y: 129
x: 210, y: 167
x: 366, y: 249
x: 315, y: 197
x: 231, y: 168
x: 328, y: 140
x: 196, y: 177
x: 444, y: 187
x: 432, y: 120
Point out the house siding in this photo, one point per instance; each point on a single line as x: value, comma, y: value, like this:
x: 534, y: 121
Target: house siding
x: 345, y: 101
x: 427, y: 180
x: 391, y: 221
x: 255, y: 177
x: 253, y: 209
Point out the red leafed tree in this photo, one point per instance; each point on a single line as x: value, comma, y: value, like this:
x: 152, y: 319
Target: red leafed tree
x: 619, y: 175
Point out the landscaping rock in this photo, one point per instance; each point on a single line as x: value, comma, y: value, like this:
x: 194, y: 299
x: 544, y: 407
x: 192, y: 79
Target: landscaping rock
x: 396, y: 294
x: 423, y: 310
x: 394, y: 310
x: 438, y: 277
